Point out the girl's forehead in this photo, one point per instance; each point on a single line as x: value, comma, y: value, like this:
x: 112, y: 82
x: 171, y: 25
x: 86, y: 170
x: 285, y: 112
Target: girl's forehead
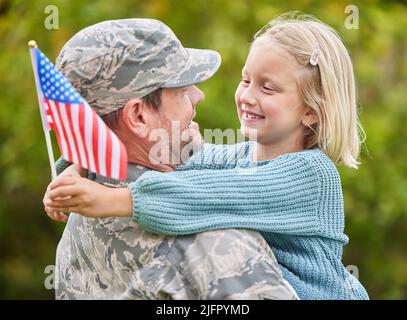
x: 270, y: 56
x: 267, y: 48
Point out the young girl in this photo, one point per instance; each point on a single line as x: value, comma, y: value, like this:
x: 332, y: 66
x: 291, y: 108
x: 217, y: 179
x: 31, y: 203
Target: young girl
x: 298, y: 94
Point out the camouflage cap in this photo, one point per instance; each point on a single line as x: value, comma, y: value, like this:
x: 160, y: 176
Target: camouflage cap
x: 114, y: 61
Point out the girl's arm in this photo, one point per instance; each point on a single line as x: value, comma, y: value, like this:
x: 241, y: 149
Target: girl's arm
x: 212, y: 156
x: 281, y: 195
x: 217, y: 156
x: 289, y: 194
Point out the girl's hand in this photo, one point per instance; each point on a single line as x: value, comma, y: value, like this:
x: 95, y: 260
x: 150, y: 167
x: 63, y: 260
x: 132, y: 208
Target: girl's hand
x: 51, y: 212
x: 73, y: 170
x: 88, y: 198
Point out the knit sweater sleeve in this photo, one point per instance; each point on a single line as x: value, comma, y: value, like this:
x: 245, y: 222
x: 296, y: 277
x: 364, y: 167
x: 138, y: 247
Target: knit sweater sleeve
x: 211, y: 156
x: 279, y: 196
x: 216, y: 156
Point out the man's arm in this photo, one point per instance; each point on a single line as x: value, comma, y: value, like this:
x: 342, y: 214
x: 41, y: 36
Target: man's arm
x: 226, y: 264
x: 68, y: 169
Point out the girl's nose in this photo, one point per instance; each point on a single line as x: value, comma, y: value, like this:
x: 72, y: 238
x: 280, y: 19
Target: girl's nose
x: 247, y: 97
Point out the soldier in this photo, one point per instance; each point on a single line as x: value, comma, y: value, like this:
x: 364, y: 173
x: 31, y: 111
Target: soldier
x: 136, y: 75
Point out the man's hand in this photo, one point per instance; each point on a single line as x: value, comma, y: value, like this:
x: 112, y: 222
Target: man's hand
x: 73, y: 170
x: 88, y: 198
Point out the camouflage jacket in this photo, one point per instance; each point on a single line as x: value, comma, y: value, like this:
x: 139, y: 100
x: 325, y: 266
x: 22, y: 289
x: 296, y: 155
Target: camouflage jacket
x: 113, y: 258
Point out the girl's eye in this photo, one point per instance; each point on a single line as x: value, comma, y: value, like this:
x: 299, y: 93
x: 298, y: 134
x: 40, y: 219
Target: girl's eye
x: 245, y: 82
x: 268, y: 89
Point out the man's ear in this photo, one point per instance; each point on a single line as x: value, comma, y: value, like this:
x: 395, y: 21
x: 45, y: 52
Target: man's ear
x: 310, y: 117
x: 135, y: 117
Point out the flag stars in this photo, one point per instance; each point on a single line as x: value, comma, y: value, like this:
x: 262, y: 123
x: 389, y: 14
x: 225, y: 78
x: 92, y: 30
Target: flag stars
x: 54, y: 85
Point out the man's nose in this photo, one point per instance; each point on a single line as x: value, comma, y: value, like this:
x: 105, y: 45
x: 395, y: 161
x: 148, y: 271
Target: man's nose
x: 198, y: 95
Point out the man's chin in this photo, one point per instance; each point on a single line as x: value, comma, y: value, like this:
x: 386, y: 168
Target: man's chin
x: 193, y: 131
x: 194, y: 143
x: 193, y: 126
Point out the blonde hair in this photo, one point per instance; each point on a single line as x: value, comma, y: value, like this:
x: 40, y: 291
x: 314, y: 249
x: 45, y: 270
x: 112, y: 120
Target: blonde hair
x: 328, y: 88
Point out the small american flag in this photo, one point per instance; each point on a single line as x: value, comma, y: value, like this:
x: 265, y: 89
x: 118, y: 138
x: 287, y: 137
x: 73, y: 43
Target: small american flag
x: 83, y: 137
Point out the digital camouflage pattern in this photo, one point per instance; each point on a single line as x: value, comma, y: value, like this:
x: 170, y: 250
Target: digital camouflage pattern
x: 113, y: 258
x: 114, y: 61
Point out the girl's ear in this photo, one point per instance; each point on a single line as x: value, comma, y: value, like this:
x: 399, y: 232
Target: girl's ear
x: 310, y: 117
x: 135, y: 117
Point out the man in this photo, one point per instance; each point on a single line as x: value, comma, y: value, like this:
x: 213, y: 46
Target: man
x: 138, y: 77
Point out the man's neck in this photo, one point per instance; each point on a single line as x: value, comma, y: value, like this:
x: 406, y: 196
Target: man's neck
x: 138, y: 153
x: 138, y: 150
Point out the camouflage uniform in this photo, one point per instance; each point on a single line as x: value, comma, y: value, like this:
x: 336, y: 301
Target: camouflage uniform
x: 113, y: 258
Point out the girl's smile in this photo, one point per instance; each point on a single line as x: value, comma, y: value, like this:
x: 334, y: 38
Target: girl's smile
x: 249, y: 117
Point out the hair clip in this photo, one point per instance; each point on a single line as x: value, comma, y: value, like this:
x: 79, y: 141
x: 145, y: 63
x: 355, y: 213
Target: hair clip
x: 315, y: 54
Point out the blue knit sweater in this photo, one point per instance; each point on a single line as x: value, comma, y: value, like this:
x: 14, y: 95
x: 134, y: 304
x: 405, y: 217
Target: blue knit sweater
x: 294, y: 200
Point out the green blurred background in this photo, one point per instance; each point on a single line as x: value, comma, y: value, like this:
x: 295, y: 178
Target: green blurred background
x: 375, y: 194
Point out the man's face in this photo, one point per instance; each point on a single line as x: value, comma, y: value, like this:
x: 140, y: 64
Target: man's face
x: 175, y: 117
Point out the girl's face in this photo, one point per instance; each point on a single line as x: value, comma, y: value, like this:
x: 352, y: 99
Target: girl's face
x: 268, y: 99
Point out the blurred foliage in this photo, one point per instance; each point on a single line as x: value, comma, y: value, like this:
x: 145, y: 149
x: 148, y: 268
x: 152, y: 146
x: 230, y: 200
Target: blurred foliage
x: 375, y: 194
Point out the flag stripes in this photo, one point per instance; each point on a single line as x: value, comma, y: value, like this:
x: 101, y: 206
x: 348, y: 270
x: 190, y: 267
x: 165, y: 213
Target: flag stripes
x: 86, y: 140
x: 83, y: 138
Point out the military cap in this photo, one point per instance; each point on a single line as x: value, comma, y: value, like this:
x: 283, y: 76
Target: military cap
x: 114, y: 61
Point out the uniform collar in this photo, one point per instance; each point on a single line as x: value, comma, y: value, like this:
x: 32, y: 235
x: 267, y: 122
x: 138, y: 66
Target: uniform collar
x: 133, y: 173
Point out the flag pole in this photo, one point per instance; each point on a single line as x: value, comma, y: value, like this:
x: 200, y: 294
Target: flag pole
x: 32, y: 45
